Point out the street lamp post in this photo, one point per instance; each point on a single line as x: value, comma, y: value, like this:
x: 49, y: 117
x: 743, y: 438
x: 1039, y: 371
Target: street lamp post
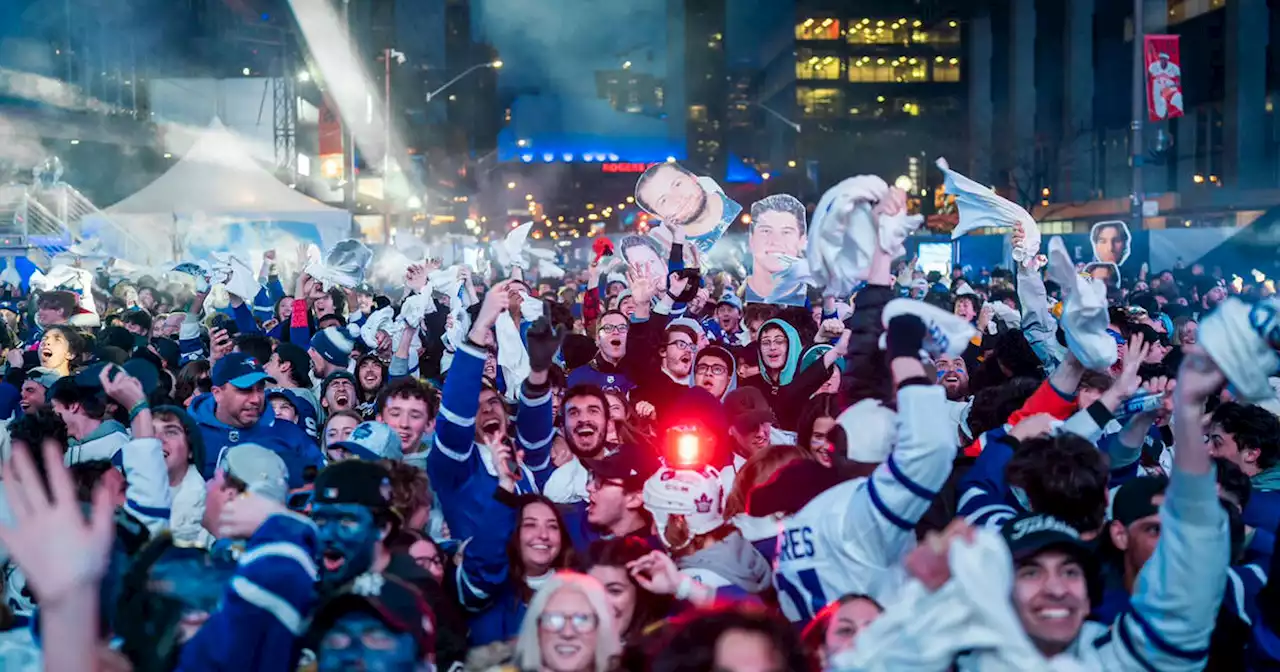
x: 464, y: 73
x: 1139, y: 109
x: 387, y: 56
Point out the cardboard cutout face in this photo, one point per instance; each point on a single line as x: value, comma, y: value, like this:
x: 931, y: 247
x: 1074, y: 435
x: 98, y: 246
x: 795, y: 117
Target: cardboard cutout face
x: 778, y: 229
x: 676, y: 196
x: 1104, y: 271
x: 1111, y: 242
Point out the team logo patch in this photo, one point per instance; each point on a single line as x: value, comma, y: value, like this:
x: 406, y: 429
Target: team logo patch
x: 233, y: 436
x: 702, y: 504
x: 362, y: 432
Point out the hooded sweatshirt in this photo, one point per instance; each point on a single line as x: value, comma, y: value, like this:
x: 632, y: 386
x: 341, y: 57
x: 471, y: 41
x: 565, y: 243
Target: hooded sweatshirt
x: 793, y: 387
x: 286, y: 439
x: 722, y: 354
x: 732, y: 566
x: 100, y: 444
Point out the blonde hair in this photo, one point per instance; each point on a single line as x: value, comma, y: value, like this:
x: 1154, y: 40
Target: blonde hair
x: 528, y: 653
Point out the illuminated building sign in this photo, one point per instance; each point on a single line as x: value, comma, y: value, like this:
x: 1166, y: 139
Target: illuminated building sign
x: 625, y: 167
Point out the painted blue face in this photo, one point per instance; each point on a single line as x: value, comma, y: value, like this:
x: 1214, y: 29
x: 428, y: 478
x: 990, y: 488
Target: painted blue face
x: 347, y: 538
x: 360, y: 641
x: 196, y: 582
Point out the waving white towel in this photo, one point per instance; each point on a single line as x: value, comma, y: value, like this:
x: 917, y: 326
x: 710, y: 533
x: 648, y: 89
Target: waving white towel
x: 980, y: 207
x: 342, y: 266
x: 1084, y: 311
x: 973, y: 612
x: 510, y: 251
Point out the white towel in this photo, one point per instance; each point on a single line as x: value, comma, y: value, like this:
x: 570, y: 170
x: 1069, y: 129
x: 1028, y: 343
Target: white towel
x: 980, y: 207
x: 512, y: 356
x: 1084, y: 311
x: 567, y: 484
x: 342, y: 266
x: 973, y: 612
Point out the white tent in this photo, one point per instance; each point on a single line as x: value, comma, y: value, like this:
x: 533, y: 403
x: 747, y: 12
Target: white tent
x: 216, y: 197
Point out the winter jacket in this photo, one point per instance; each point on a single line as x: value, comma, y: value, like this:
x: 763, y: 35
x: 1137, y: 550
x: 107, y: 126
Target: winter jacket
x: 484, y: 583
x: 286, y: 439
x: 186, y: 520
x: 461, y: 471
x: 867, y: 376
x: 266, y: 605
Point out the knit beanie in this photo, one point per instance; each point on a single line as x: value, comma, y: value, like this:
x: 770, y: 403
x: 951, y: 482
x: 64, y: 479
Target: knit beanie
x: 334, y: 345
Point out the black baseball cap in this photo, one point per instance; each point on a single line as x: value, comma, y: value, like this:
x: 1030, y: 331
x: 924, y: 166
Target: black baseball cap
x: 354, y: 482
x: 239, y: 369
x: 1132, y: 501
x: 633, y: 466
x: 1031, y: 534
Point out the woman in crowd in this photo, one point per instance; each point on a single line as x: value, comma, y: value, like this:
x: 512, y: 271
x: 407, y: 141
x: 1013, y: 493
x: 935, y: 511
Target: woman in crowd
x: 836, y: 627
x: 568, y: 628
x: 634, y: 608
x: 813, y: 430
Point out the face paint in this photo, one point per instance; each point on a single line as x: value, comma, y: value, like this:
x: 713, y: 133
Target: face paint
x: 194, y: 581
x: 360, y: 641
x: 347, y: 539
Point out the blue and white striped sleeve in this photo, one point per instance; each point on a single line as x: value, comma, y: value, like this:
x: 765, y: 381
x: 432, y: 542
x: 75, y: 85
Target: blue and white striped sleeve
x: 485, y: 569
x: 454, y: 458
x: 881, y: 518
x: 982, y: 489
x: 1179, y: 591
x: 535, y: 428
x: 147, y: 494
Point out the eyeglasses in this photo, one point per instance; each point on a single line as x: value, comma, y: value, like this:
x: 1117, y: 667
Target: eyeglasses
x: 583, y: 624
x: 614, y: 328
x: 595, y: 483
x: 682, y: 345
x: 774, y: 342
x: 427, y: 562
x: 713, y: 369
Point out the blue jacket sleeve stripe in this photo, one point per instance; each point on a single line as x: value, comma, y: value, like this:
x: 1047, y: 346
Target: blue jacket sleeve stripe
x: 911, y: 486
x: 152, y: 511
x: 471, y: 597
x: 893, y: 518
x: 269, y: 602
x: 1235, y: 596
x: 1127, y: 643
x: 456, y: 419
x: 454, y: 455
x: 282, y: 550
x: 1159, y: 641
x: 534, y: 445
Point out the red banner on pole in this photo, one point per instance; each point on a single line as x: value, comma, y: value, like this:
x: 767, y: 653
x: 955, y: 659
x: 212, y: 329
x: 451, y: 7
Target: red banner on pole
x: 1164, y: 77
x: 330, y: 129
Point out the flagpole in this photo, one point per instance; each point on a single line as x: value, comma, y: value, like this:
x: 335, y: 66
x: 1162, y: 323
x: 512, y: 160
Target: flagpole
x: 1139, y: 112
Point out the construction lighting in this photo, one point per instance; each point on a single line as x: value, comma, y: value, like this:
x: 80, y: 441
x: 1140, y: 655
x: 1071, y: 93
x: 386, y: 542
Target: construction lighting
x: 511, y: 185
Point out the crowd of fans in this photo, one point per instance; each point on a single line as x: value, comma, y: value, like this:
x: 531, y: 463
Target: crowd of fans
x: 603, y: 473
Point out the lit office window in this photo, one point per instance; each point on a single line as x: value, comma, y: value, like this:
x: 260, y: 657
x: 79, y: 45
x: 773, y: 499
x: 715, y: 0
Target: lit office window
x: 816, y: 66
x: 946, y: 69
x: 881, y: 69
x: 819, y: 102
x: 945, y: 32
x: 818, y: 29
x: 697, y: 113
x: 880, y: 31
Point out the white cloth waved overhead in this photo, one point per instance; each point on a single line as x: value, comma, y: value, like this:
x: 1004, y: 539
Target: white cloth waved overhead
x: 511, y: 250
x: 342, y: 266
x: 980, y: 207
x: 1084, y: 311
x: 845, y: 232
x: 512, y: 356
x: 925, y: 631
x: 230, y: 270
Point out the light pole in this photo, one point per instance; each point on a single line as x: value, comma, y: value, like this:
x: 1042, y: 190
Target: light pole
x: 1139, y: 109
x: 464, y: 73
x: 387, y: 56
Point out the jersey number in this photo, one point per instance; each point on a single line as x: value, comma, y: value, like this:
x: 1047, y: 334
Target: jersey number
x: 806, y: 609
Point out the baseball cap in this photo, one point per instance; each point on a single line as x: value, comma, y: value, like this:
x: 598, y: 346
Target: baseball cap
x: 372, y: 441
x: 730, y: 299
x: 354, y: 482
x: 747, y: 408
x: 633, y: 466
x: 261, y: 469
x: 240, y: 370
x: 390, y: 599
x: 1031, y: 534
x: 698, y: 495
x: 44, y: 377
x: 1132, y: 500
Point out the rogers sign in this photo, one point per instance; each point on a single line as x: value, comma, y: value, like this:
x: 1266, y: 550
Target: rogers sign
x: 625, y: 167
